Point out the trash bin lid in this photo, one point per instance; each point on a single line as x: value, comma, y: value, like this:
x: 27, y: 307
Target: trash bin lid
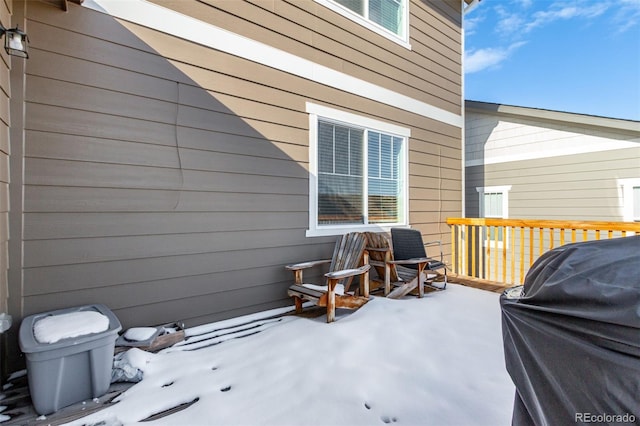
x: 29, y: 343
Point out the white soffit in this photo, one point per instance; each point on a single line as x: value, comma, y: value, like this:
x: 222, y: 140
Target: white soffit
x: 179, y: 25
x: 549, y: 149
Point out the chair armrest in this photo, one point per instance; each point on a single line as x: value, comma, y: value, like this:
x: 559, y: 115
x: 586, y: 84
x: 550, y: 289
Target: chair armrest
x: 414, y: 261
x: 347, y: 272
x: 306, y: 265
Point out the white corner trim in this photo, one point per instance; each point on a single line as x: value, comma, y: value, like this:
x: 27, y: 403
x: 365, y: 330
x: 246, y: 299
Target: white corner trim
x: 170, y: 22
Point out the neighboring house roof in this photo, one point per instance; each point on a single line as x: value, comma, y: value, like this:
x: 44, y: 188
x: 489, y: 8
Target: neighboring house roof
x: 551, y: 115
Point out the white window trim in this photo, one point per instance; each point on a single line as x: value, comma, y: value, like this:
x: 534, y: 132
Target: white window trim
x: 316, y: 111
x: 504, y: 189
x: 402, y: 40
x: 627, y: 186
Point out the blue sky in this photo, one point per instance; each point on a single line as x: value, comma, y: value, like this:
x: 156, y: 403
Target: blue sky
x: 579, y: 56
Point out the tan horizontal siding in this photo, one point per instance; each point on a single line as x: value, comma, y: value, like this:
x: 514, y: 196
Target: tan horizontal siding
x: 170, y: 181
x: 201, y: 309
x: 89, y: 225
x: 47, y: 118
x: 62, y: 278
x: 41, y: 198
x: 166, y: 290
x: 99, y: 175
x: 226, y: 303
x: 238, y: 72
x: 307, y: 29
x: 103, y: 249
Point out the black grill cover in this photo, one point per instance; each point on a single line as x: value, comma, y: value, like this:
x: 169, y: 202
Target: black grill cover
x: 572, y: 338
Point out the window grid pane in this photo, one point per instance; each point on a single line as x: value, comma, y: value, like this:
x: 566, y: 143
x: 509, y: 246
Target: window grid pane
x: 355, y: 5
x: 493, y: 208
x: 386, y: 13
x: 341, y: 198
x: 384, y: 183
x: 339, y: 174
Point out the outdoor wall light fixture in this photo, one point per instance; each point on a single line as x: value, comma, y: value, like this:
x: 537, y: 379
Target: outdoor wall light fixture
x: 15, y: 41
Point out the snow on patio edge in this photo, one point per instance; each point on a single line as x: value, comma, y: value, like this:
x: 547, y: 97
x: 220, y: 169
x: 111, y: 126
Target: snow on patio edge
x: 431, y: 361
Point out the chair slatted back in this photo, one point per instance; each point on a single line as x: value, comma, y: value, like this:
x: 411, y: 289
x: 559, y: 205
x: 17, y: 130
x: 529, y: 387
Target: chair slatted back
x: 378, y: 240
x: 348, y: 251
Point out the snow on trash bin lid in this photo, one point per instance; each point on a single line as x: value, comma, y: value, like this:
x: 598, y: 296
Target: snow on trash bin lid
x: 53, y: 328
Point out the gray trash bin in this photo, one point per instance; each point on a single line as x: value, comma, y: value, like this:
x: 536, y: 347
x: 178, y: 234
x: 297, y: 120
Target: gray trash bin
x: 72, y: 369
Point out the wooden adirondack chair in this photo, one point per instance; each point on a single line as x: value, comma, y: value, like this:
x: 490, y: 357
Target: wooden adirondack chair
x: 349, y: 260
x: 403, y: 272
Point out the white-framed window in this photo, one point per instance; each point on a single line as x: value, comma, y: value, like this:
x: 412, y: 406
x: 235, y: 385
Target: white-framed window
x: 494, y: 202
x: 630, y: 199
x: 358, y: 174
x: 389, y: 18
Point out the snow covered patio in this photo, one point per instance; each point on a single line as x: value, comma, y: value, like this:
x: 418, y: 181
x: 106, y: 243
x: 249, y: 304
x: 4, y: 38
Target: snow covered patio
x: 431, y: 361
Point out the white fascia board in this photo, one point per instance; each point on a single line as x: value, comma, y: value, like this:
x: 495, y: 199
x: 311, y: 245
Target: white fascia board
x: 176, y: 24
x: 565, y: 118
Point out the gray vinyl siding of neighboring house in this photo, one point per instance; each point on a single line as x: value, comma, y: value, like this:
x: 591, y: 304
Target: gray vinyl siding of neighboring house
x: 170, y: 181
x: 559, y: 165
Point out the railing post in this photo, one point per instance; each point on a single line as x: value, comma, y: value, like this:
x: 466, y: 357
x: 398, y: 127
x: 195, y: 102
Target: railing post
x: 474, y: 230
x: 454, y: 250
x: 513, y: 255
x: 521, y: 253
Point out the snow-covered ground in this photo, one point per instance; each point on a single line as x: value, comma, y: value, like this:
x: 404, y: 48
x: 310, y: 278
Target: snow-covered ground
x: 431, y: 361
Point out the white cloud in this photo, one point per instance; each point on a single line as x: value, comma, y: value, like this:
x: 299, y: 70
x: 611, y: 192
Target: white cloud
x: 525, y: 3
x: 517, y: 20
x: 517, y: 17
x: 563, y: 11
x: 627, y: 16
x: 470, y: 24
x: 478, y: 60
x: 510, y: 23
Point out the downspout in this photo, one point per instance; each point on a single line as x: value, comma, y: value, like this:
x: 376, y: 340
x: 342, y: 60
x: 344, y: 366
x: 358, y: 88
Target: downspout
x: 11, y: 359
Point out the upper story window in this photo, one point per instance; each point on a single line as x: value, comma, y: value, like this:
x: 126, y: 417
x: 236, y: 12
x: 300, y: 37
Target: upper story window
x: 386, y: 17
x: 358, y: 172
